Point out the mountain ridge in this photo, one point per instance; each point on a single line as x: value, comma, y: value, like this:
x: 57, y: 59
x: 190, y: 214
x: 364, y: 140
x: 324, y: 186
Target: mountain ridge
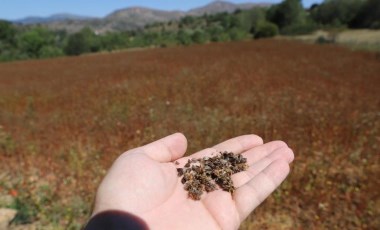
x: 131, y: 17
x: 52, y: 18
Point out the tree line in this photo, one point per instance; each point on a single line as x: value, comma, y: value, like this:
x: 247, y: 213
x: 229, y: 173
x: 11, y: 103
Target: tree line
x: 287, y: 18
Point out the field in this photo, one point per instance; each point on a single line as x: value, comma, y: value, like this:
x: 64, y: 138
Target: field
x: 363, y: 39
x: 64, y: 121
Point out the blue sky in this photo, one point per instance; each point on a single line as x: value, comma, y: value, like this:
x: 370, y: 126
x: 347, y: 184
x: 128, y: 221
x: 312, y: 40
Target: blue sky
x: 16, y: 9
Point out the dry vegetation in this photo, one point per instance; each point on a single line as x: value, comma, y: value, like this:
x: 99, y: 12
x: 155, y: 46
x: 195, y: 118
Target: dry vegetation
x: 64, y: 121
x: 363, y: 39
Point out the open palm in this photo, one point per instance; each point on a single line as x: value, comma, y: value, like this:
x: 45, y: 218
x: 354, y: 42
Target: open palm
x: 144, y: 182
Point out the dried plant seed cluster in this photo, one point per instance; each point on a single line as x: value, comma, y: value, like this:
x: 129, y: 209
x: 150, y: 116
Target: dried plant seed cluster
x: 209, y: 173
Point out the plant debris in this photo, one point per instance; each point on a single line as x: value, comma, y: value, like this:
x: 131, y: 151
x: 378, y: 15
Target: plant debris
x: 209, y: 173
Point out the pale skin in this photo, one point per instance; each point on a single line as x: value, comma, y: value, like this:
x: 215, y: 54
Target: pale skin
x: 144, y: 182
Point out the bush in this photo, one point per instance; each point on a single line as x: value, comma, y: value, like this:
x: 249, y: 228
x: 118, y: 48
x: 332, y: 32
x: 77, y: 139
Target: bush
x: 237, y: 34
x: 266, y: 30
x: 27, y: 210
x: 299, y: 29
x: 324, y: 40
x: 199, y: 37
x: 7, y: 145
x: 184, y: 38
x: 223, y: 37
x: 50, y: 51
x: 375, y: 25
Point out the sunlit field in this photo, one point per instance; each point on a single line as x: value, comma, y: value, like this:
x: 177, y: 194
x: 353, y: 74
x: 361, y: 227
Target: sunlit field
x: 63, y: 122
x: 364, y: 39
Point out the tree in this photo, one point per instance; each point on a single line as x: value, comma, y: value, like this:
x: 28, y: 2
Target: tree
x: 50, y: 51
x: 237, y: 34
x: 150, y: 38
x: 254, y: 18
x: 187, y: 20
x: 336, y: 12
x: 167, y: 38
x: 266, y: 29
x: 199, y: 37
x: 368, y: 16
x: 183, y: 37
x: 32, y: 41
x: 236, y: 22
x: 82, y: 42
x: 216, y: 33
x: 112, y: 41
x: 7, y: 32
x: 76, y: 45
x: 226, y: 21
x: 287, y: 13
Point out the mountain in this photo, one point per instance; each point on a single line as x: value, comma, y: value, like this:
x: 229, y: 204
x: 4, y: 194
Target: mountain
x: 220, y: 6
x: 137, y: 17
x: 144, y: 14
x: 51, y: 19
x: 131, y: 18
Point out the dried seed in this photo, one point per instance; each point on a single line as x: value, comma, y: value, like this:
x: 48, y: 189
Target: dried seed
x: 207, y: 173
x: 180, y: 171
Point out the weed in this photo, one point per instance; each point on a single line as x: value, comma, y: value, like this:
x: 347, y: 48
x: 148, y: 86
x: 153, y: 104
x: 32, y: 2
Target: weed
x: 7, y: 145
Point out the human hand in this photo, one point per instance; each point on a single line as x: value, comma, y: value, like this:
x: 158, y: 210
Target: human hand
x: 144, y: 182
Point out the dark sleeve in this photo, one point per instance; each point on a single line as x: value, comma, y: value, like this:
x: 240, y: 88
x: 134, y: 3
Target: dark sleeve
x: 115, y: 220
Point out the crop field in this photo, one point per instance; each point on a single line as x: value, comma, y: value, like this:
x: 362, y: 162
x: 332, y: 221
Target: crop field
x: 63, y: 122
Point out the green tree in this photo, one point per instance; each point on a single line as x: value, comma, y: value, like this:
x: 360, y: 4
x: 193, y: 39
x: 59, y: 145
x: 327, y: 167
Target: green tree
x: 84, y: 41
x: 266, y: 29
x: 32, y: 41
x: 254, y: 18
x: 76, y: 45
x: 137, y: 39
x: 225, y: 21
x: 151, y: 38
x: 199, y: 37
x: 237, y: 34
x: 184, y: 37
x: 93, y: 40
x: 50, y: 51
x: 368, y: 16
x: 112, y: 41
x: 235, y: 22
x: 336, y: 12
x: 7, y: 33
x: 187, y: 20
x: 216, y: 33
x: 287, y: 13
x: 168, y: 38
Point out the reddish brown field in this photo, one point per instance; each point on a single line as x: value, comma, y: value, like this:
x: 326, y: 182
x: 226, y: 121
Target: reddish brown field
x: 64, y: 121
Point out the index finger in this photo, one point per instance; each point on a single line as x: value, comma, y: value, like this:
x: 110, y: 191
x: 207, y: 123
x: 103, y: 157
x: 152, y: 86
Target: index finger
x: 254, y: 192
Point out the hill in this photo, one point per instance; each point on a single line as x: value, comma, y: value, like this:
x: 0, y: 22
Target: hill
x: 130, y: 18
x: 223, y: 6
x: 51, y: 19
